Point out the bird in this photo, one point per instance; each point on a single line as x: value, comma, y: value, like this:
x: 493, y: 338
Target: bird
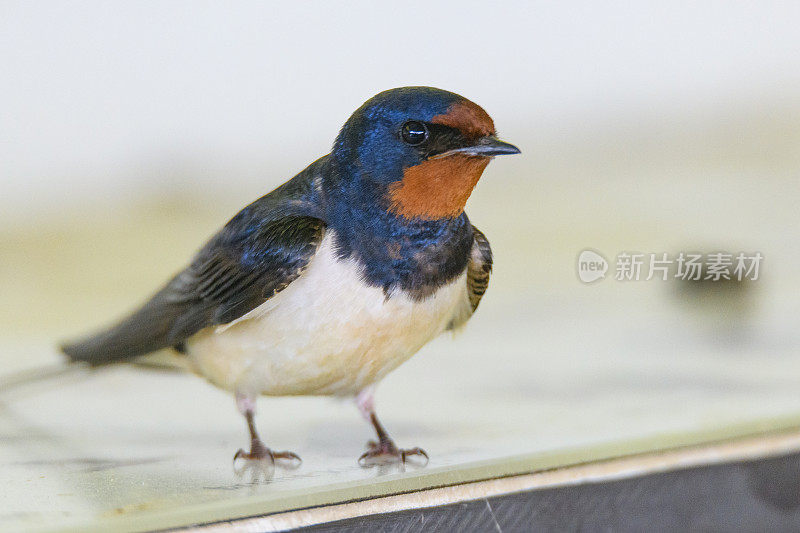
x: 336, y: 277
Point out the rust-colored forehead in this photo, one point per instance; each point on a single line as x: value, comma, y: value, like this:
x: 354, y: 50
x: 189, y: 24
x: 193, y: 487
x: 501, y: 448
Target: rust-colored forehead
x: 468, y: 117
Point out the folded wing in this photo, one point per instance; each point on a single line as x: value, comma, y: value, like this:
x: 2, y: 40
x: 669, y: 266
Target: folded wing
x: 250, y: 260
x: 479, y: 269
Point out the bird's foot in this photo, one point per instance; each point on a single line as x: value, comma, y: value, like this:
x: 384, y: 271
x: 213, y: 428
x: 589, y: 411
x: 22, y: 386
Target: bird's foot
x: 386, y: 452
x: 260, y: 462
x: 259, y: 452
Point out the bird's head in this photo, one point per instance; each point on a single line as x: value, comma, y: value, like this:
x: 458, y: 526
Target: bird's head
x: 420, y: 149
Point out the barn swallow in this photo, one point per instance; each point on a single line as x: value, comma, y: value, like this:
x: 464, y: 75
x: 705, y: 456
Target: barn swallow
x: 335, y: 278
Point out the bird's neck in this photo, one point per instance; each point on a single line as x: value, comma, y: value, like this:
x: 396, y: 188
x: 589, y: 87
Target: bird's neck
x: 416, y: 255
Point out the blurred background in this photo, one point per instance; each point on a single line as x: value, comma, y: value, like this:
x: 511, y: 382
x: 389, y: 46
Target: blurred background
x: 644, y: 127
x: 130, y: 132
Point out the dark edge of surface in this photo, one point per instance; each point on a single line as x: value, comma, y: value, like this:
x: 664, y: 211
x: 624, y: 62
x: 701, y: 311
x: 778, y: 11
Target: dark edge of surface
x: 752, y: 495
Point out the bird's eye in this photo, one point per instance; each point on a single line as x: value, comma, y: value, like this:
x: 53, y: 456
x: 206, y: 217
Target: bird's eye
x: 414, y: 132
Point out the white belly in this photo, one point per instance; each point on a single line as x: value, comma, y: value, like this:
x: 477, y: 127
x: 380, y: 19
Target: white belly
x: 326, y: 333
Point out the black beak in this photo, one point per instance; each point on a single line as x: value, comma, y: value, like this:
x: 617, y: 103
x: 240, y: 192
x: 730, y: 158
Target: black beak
x: 488, y: 146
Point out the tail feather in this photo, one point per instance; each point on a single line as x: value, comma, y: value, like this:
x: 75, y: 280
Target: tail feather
x: 146, y: 330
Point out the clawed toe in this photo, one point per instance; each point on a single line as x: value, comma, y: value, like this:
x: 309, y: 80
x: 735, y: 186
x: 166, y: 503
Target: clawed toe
x: 253, y: 456
x: 265, y: 455
x: 384, y: 451
x: 416, y: 451
x: 287, y: 456
x: 383, y: 455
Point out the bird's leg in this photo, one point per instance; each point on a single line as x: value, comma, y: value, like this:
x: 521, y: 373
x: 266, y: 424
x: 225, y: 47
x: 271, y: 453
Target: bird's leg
x: 258, y: 451
x: 384, y: 450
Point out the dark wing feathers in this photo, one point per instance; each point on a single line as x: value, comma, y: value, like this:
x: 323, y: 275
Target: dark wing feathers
x: 239, y: 276
x: 479, y: 268
x: 238, y: 270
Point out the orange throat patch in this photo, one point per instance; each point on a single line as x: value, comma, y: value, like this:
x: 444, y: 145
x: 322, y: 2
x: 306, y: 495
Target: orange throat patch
x: 436, y: 188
